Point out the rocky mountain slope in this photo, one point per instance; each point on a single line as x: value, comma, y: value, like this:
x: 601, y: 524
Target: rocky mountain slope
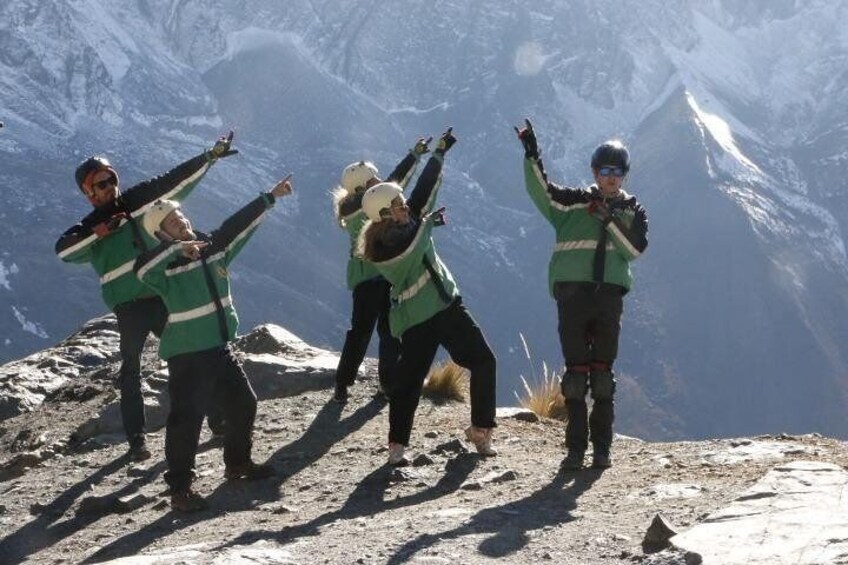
x: 69, y: 494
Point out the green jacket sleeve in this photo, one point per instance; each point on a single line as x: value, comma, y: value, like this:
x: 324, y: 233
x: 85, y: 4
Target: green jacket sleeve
x: 150, y: 266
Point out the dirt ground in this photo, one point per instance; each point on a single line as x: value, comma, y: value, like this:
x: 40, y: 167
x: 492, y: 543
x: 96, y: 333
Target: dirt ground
x: 335, y: 501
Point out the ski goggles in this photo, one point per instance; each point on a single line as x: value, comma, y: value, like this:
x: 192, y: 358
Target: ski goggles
x: 612, y: 171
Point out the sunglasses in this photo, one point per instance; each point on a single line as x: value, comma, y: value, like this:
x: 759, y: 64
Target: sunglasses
x: 612, y: 171
x: 105, y: 183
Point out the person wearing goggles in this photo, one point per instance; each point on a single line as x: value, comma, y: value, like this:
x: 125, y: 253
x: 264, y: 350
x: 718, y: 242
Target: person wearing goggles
x: 599, y: 231
x: 110, y: 238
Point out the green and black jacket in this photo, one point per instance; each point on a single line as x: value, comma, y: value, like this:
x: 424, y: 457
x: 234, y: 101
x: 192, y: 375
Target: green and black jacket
x: 587, y: 249
x: 201, y: 314
x: 114, y: 254
x: 352, y: 218
x: 422, y: 286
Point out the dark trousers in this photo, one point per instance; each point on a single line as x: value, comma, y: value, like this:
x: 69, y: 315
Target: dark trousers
x: 136, y: 319
x: 456, y: 331
x: 198, y: 381
x: 589, y: 326
x: 370, y: 306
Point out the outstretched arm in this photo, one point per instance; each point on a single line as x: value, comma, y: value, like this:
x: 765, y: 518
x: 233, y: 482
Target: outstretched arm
x: 406, y: 168
x: 423, y: 197
x: 550, y: 199
x: 177, y: 183
x: 236, y: 230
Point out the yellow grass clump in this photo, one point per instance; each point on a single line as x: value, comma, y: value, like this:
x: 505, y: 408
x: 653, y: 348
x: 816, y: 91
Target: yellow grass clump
x: 543, y: 395
x: 446, y: 381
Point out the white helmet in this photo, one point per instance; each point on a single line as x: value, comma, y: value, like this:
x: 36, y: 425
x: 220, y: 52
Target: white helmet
x: 357, y: 175
x: 379, y: 197
x: 157, y: 213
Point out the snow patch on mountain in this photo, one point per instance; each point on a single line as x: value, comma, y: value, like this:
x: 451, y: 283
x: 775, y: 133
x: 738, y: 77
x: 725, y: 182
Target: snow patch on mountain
x: 5, y: 272
x: 723, y: 135
x: 28, y: 326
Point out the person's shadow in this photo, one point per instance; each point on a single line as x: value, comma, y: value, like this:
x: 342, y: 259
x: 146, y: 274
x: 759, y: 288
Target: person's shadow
x: 325, y: 430
x: 367, y: 500
x: 510, y: 522
x: 45, y: 531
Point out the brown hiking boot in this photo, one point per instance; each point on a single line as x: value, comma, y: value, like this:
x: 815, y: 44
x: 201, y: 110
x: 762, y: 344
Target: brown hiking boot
x: 601, y: 460
x: 188, y: 501
x: 573, y: 460
x: 138, y: 449
x: 250, y: 471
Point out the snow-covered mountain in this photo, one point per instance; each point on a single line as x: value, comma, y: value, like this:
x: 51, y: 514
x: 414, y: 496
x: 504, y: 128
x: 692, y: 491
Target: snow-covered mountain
x: 738, y: 322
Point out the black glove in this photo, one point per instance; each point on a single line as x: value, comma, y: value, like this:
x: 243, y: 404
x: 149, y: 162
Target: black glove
x: 421, y: 146
x: 599, y: 209
x: 527, y: 137
x: 445, y: 142
x: 110, y: 225
x: 438, y: 217
x: 221, y: 148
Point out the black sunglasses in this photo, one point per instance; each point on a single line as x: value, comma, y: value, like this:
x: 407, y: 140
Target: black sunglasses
x: 612, y: 171
x: 105, y: 183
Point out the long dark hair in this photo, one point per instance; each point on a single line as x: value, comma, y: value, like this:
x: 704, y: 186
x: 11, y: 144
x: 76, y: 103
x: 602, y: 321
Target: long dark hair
x: 371, y: 244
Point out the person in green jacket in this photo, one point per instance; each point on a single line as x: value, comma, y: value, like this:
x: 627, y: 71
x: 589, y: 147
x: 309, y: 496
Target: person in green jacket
x: 599, y: 231
x: 189, y: 270
x: 370, y: 289
x: 426, y: 307
x: 110, y: 238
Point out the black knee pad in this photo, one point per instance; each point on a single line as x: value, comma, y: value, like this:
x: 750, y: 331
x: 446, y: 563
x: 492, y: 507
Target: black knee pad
x: 573, y: 385
x: 603, y: 384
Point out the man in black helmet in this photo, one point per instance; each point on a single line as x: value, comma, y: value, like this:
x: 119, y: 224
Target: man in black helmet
x: 599, y: 231
x: 111, y: 238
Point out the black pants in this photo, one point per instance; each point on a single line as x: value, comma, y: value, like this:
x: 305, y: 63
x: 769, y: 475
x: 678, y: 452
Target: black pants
x: 136, y: 319
x: 456, y: 331
x: 198, y: 381
x: 370, y: 307
x: 589, y: 326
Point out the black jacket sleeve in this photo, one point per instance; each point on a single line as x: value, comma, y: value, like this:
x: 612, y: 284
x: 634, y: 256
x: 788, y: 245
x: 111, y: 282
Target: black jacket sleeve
x: 425, y: 188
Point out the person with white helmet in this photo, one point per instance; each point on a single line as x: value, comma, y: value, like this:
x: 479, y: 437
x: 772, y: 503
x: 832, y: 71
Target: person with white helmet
x: 370, y: 290
x: 110, y: 238
x: 426, y: 307
x: 189, y: 270
x: 599, y: 231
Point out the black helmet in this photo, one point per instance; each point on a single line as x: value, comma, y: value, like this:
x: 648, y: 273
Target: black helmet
x: 612, y: 153
x: 90, y: 165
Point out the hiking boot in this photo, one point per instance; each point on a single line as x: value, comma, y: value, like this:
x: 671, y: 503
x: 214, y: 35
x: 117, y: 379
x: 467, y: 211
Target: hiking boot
x: 601, y: 460
x: 138, y: 449
x: 188, y: 501
x: 396, y: 455
x: 482, y: 440
x: 341, y: 395
x: 573, y: 461
x: 380, y: 394
x: 250, y: 471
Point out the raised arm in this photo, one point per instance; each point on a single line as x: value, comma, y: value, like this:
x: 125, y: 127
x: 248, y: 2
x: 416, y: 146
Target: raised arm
x: 177, y: 183
x: 423, y: 197
x: 236, y: 230
x: 404, y: 170
x: 550, y: 199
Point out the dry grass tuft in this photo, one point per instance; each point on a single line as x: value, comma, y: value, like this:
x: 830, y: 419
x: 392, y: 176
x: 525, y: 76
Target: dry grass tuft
x: 543, y: 396
x: 447, y: 381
